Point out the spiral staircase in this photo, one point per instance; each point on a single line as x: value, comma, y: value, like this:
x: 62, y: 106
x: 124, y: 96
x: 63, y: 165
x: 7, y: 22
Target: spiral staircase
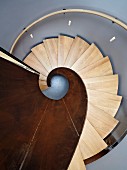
x: 57, y: 134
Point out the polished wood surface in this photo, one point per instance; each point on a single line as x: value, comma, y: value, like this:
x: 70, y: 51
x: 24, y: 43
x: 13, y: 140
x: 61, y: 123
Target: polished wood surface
x: 51, y: 46
x: 42, y: 56
x: 42, y: 85
x: 108, y: 84
x: 57, y: 114
x: 107, y: 105
x: 105, y: 101
x: 90, y: 56
x: 21, y: 107
x: 79, y: 46
x: 103, y: 122
x: 43, y: 78
x: 90, y: 142
x: 102, y: 67
x: 32, y: 61
x: 77, y: 162
x: 100, y: 94
x: 36, y: 63
x: 37, y: 132
x: 64, y: 45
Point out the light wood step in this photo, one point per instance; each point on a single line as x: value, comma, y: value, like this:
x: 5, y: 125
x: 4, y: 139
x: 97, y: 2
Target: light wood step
x: 41, y: 54
x: 64, y: 45
x: 90, y: 56
x: 107, y: 84
x: 107, y: 105
x: 110, y: 103
x: 77, y: 162
x: 100, y: 95
x: 43, y: 78
x: 43, y: 85
x: 79, y: 46
x: 100, y: 120
x: 33, y: 62
x: 91, y: 142
x: 51, y: 46
x: 102, y: 67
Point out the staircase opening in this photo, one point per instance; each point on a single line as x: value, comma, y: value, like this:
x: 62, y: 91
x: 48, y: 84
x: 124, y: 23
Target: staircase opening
x: 58, y: 87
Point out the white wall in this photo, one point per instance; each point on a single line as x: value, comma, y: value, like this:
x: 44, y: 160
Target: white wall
x: 17, y: 14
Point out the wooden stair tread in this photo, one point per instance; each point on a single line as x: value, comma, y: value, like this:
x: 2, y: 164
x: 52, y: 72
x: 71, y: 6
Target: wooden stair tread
x: 107, y: 105
x: 77, y: 162
x: 108, y: 102
x: 33, y: 62
x: 41, y: 54
x: 79, y: 46
x: 107, y: 84
x: 43, y: 85
x: 43, y: 78
x: 64, y: 45
x: 51, y: 46
x: 90, y: 56
x: 100, y: 68
x: 100, y: 95
x: 100, y: 120
x: 91, y: 142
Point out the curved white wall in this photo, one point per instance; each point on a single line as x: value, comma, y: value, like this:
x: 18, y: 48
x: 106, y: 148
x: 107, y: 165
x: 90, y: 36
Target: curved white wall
x: 15, y: 15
